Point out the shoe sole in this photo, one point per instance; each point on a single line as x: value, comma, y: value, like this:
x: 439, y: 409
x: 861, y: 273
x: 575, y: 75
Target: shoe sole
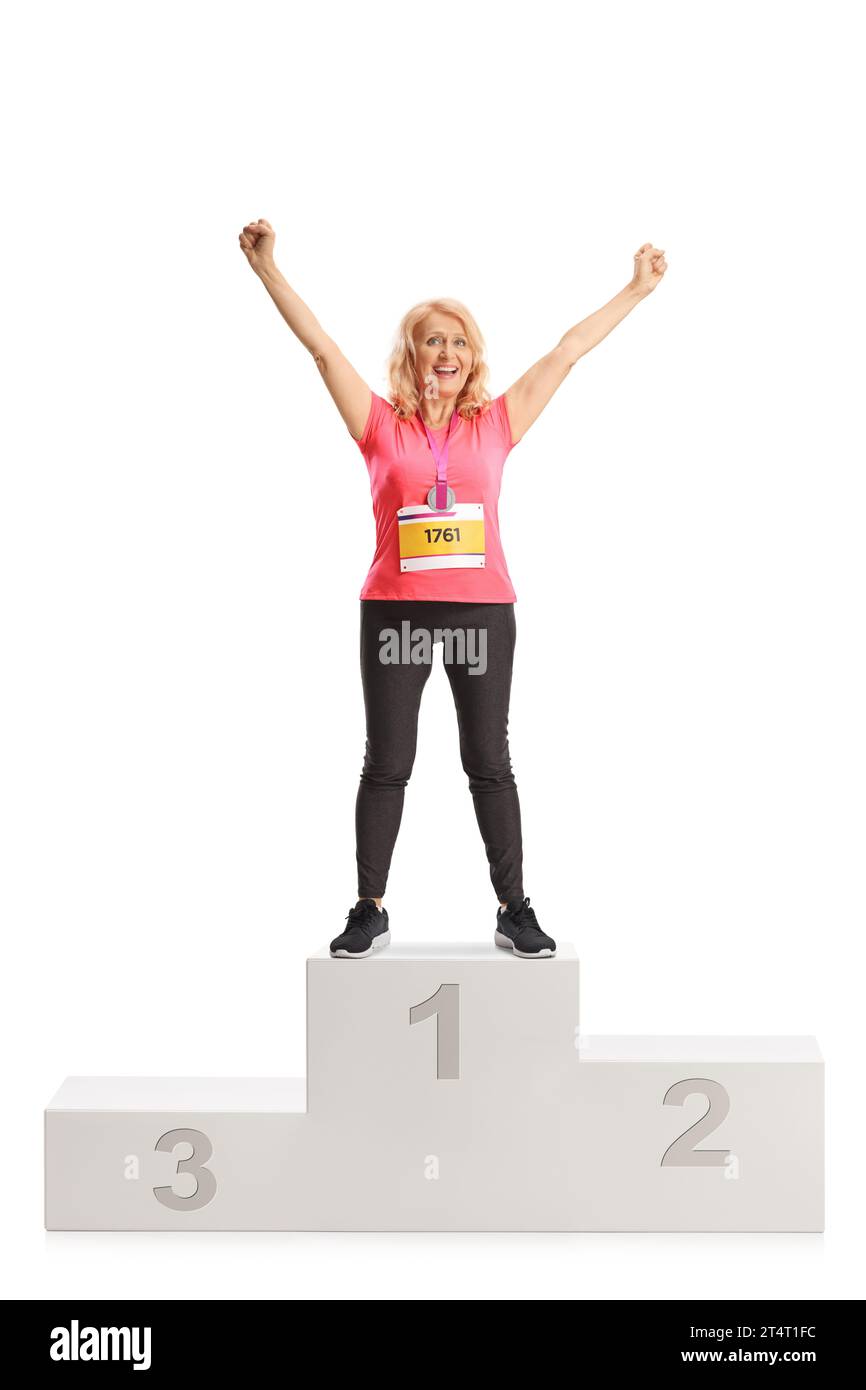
x: 383, y: 939
x: 509, y: 945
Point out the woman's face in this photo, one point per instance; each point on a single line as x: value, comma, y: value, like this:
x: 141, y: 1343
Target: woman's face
x: 443, y: 358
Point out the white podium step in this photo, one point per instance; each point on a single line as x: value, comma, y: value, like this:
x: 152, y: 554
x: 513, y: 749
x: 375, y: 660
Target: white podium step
x: 500, y: 1027
x: 449, y: 1089
x: 145, y: 1153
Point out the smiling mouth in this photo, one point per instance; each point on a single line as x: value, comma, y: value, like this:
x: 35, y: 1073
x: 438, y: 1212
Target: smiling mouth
x: 446, y: 371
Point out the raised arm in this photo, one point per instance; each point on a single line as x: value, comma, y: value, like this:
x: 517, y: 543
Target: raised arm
x: 351, y: 394
x: 530, y: 393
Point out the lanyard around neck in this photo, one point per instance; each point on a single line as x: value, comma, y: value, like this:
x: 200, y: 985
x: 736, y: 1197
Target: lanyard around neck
x: 441, y: 457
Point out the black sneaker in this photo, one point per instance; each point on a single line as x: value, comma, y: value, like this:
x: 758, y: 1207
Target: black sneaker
x: 366, y: 931
x: 517, y: 928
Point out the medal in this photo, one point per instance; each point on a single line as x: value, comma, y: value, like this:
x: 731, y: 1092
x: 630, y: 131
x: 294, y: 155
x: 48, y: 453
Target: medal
x: 440, y: 497
x: 433, y: 499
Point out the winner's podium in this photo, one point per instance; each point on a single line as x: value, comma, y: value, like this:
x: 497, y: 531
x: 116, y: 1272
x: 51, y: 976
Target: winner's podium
x: 449, y: 1088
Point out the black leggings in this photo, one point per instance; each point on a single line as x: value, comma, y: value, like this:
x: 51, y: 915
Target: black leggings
x: 392, y: 696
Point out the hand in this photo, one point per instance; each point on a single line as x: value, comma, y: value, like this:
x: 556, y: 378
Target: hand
x: 257, y: 243
x: 649, y: 267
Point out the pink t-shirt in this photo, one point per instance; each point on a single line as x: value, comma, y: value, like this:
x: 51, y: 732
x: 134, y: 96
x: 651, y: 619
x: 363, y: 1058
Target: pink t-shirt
x: 402, y: 470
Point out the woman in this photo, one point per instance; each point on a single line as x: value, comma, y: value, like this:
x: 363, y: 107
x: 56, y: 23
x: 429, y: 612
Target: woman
x: 435, y: 454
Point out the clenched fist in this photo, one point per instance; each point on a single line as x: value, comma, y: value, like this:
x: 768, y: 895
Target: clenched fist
x: 649, y: 267
x: 257, y: 243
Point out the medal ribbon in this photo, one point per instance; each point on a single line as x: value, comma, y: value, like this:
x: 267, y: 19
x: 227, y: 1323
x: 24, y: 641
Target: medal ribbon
x: 441, y: 461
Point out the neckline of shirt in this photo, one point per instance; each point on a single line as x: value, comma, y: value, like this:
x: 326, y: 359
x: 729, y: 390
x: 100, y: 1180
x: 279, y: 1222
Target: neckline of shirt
x: 437, y: 429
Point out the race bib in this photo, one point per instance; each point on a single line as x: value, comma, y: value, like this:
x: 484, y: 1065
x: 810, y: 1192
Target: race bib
x: 431, y: 540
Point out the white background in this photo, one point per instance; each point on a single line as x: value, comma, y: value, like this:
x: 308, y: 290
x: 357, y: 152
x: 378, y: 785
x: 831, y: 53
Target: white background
x: 186, y: 526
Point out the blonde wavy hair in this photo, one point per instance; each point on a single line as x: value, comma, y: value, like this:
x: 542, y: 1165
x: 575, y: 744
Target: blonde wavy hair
x: 405, y: 393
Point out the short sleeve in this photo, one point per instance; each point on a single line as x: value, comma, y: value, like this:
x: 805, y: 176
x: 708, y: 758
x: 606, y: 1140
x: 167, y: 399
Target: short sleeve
x: 498, y: 411
x: 379, y: 411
